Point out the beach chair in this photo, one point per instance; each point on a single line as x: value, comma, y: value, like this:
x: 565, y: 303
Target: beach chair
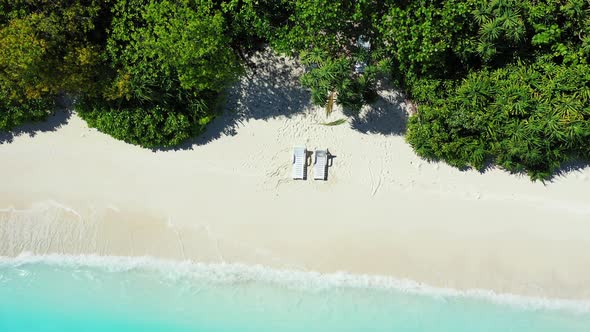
x: 299, y: 162
x: 320, y: 167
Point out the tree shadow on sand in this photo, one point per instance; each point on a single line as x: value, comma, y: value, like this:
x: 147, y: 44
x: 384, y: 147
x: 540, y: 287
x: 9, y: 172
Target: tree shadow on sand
x: 386, y: 116
x: 59, y: 118
x: 569, y: 168
x: 269, y: 89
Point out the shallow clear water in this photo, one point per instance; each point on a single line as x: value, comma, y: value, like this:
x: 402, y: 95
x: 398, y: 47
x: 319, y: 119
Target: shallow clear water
x: 77, y: 294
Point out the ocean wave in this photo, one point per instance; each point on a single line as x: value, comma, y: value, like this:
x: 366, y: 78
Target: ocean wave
x: 304, y: 280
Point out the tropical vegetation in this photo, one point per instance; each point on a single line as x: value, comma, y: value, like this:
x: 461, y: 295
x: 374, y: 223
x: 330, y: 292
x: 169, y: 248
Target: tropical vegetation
x: 496, y: 82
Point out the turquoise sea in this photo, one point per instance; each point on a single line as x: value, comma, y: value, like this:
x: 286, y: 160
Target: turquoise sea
x: 86, y: 293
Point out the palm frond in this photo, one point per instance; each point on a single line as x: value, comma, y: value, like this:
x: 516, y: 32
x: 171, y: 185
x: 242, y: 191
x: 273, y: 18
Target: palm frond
x: 334, y: 123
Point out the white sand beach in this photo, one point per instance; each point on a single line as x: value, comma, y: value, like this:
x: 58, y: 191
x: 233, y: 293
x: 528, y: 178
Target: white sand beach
x: 228, y: 197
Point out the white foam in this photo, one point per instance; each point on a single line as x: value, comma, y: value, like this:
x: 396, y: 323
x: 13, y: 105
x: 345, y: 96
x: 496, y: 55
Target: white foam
x: 54, y: 204
x: 239, y: 273
x: 43, y: 206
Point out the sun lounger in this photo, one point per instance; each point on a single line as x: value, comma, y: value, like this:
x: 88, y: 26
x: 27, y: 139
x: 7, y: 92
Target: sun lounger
x: 320, y: 166
x: 299, y: 162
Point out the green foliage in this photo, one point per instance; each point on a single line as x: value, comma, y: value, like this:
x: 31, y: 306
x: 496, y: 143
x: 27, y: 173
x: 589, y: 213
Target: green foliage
x: 169, y: 61
x: 501, y: 81
x: 501, y: 26
x: 12, y: 115
x: 165, y: 47
x: 150, y: 126
x: 253, y: 22
x: 326, y: 36
x: 59, y: 39
x: 429, y: 40
x: 45, y: 49
x: 157, y: 43
x: 325, y: 74
x: 329, y: 76
x: 21, y: 60
x: 523, y: 118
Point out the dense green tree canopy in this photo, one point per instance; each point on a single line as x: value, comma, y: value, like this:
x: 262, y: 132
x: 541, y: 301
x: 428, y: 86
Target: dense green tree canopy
x: 430, y: 40
x: 501, y: 82
x: 523, y: 118
x: 46, y: 47
x: 331, y: 37
x: 169, y: 61
x: 183, y: 42
x: 518, y: 94
x: 21, y: 89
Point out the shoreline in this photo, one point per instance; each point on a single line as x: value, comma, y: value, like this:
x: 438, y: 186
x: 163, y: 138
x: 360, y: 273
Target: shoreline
x: 227, y: 197
x: 221, y: 273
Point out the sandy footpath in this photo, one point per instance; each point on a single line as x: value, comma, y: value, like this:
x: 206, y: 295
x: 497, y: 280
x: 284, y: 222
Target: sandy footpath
x: 228, y: 197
